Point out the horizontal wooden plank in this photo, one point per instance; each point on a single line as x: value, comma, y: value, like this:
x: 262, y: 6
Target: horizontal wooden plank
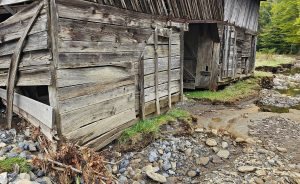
x: 35, y: 58
x: 15, y: 31
x: 30, y: 78
x: 150, y: 107
x: 99, y: 47
x: 149, y: 80
x: 175, y: 39
x: 96, y: 129
x: 77, y: 60
x: 65, y: 93
x: 38, y: 41
x: 73, y: 120
x: 149, y: 65
x: 92, y: 12
x: 104, y: 75
x: 75, y: 30
x: 38, y: 110
x: 10, y: 2
x: 162, y: 90
x: 162, y: 51
x: 87, y: 100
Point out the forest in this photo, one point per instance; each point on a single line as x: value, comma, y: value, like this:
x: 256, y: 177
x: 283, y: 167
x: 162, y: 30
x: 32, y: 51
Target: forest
x: 279, y: 27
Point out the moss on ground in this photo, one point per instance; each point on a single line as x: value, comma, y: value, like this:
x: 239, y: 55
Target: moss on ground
x: 230, y: 94
x: 260, y: 74
x: 144, y: 132
x: 272, y: 60
x: 7, y: 165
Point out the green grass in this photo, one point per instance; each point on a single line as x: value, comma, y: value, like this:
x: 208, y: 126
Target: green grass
x: 260, y: 74
x: 7, y: 165
x: 152, y: 126
x: 272, y: 60
x: 232, y: 93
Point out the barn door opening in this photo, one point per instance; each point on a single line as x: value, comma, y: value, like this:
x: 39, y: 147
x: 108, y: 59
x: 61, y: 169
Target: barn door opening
x: 201, y: 56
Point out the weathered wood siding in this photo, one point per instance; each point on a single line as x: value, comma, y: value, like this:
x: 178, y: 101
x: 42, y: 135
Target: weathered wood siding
x: 97, y: 78
x: 242, y: 13
x: 34, y: 65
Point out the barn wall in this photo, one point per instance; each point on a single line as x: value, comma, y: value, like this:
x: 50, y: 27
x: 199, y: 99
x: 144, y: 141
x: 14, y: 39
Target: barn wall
x: 36, y: 57
x: 243, y: 13
x: 99, y: 51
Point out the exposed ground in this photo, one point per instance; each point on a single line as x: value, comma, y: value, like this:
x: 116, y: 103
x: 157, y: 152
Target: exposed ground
x: 241, y: 134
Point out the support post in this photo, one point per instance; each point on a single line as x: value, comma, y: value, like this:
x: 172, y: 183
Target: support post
x: 181, y: 63
x: 142, y: 88
x: 169, y: 69
x: 156, y: 71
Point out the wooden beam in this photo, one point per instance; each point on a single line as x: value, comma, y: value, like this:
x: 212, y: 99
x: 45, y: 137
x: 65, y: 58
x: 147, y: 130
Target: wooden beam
x: 169, y: 69
x: 7, y: 8
x: 10, y: 2
x: 156, y: 71
x: 14, y: 67
x: 142, y: 88
x: 38, y: 110
x: 181, y: 63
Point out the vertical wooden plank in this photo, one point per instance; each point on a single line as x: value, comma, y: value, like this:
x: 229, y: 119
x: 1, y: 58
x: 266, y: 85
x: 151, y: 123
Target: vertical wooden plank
x: 53, y: 96
x: 181, y: 63
x: 156, y: 71
x: 13, y: 68
x: 169, y: 69
x: 142, y: 88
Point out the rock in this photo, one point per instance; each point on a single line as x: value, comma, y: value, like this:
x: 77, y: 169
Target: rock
x: 40, y: 173
x: 115, y: 169
x: 244, y: 169
x: 216, y: 159
x: 150, y: 168
x: 202, y: 161
x: 117, y: 154
x: 32, y: 176
x: 174, y: 165
x: 188, y: 152
x: 239, y: 140
x: 3, y: 178
x: 223, y: 154
x: 123, y: 179
x: 123, y: 164
x: 157, y: 177
x: 224, y: 145
x: 24, y: 181
x: 192, y: 173
x: 284, y: 150
x: 199, y: 130
x: 259, y: 181
x: 32, y: 147
x: 153, y: 156
x: 24, y: 176
x: 261, y: 173
x: 44, y: 180
x: 216, y: 149
x: 160, y: 151
x: 12, y: 155
x: 167, y: 165
x: 2, y: 144
x: 23, y: 155
x: 171, y: 172
x: 214, y: 131
x: 211, y: 142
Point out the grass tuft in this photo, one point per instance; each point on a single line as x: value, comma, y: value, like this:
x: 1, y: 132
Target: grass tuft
x: 7, y: 165
x: 152, y: 126
x: 272, y: 60
x: 260, y: 74
x: 234, y: 92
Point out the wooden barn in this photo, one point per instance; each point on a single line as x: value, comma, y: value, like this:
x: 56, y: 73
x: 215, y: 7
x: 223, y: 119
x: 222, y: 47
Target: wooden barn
x: 219, y: 52
x: 85, y: 70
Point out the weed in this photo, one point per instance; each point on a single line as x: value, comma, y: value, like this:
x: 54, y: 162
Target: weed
x: 7, y: 165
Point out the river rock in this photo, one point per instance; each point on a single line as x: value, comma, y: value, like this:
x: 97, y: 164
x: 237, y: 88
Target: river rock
x: 192, y: 173
x: 153, y: 156
x: 244, y: 169
x: 284, y: 150
x: 261, y: 173
x: 24, y: 176
x: 211, y: 142
x: 223, y: 154
x: 3, y: 178
x: 224, y: 145
x: 202, y: 161
x: 156, y: 177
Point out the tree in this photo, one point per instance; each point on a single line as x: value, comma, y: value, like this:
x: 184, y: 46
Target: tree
x: 280, y: 26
